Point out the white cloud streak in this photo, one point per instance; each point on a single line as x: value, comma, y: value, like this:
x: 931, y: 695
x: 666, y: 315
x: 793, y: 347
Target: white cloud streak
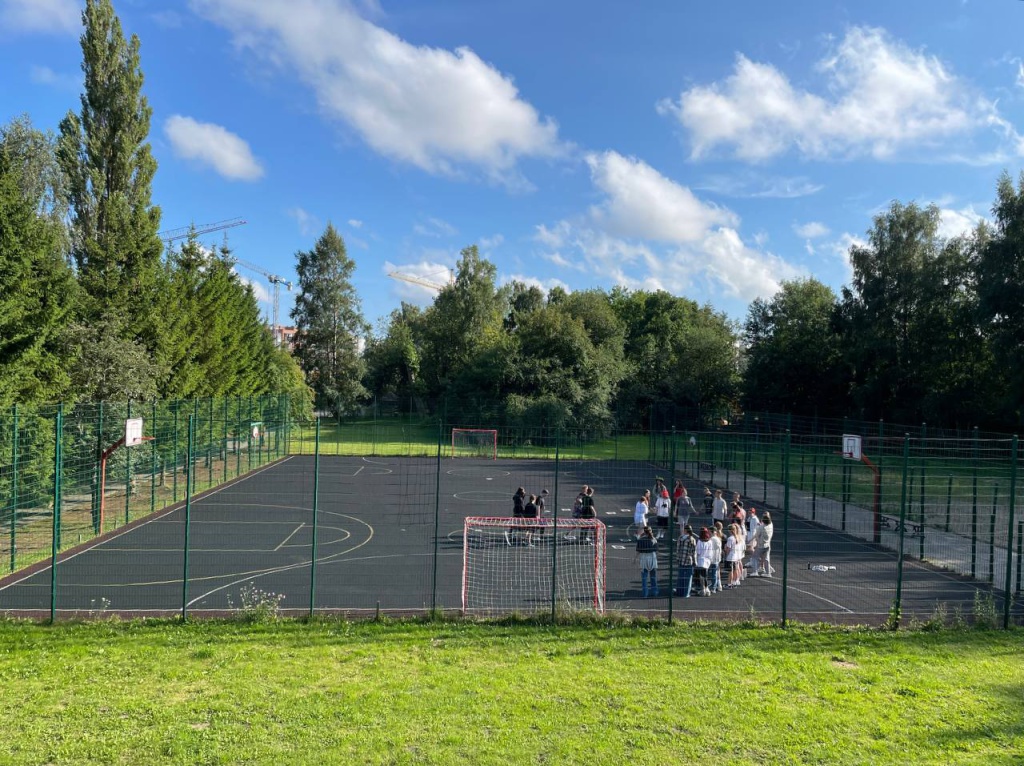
x: 883, y: 99
x: 442, y: 111
x: 811, y: 230
x: 47, y: 16
x: 214, y: 146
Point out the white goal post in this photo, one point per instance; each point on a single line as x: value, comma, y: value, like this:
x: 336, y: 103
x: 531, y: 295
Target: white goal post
x: 475, y: 442
x: 510, y: 564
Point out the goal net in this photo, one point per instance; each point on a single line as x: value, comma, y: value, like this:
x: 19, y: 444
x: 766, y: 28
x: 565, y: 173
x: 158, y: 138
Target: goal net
x: 510, y: 564
x: 475, y: 442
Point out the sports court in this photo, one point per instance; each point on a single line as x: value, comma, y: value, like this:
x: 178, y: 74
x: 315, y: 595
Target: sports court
x: 389, y: 536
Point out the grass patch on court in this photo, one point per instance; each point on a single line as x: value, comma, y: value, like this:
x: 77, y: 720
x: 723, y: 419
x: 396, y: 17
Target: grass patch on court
x: 451, y: 692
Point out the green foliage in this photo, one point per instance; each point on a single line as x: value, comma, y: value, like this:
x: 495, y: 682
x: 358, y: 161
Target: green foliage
x: 794, y: 359
x: 37, y: 296
x: 329, y: 324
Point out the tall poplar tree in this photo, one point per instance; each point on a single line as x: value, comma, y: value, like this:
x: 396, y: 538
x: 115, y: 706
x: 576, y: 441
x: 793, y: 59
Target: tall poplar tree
x: 329, y: 325
x: 106, y: 159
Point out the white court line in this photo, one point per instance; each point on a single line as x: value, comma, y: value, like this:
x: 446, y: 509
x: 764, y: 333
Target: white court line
x: 358, y: 470
x: 289, y: 537
x: 124, y: 530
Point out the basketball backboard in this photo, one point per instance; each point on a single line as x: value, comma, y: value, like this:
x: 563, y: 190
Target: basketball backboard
x: 133, y: 432
x: 851, y: 447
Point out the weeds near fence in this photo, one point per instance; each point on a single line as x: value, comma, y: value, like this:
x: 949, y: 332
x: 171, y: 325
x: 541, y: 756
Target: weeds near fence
x: 258, y: 606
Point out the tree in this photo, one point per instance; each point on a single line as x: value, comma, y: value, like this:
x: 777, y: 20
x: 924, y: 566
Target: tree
x: 393, y: 361
x: 464, y: 316
x: 793, y: 356
x: 1000, y: 280
x: 896, y: 281
x: 329, y: 325
x: 38, y: 294
x: 109, y: 168
x: 32, y: 155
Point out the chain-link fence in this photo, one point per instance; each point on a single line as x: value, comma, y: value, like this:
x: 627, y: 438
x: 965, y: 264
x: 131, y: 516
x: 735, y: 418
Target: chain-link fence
x: 229, y: 506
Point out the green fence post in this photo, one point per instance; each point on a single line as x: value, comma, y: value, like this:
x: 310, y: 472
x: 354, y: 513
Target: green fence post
x: 14, y: 487
x: 671, y: 534
x: 224, y: 431
x: 238, y: 436
x: 128, y: 476
x: 764, y: 478
x: 949, y: 500
x: 437, y: 518
x: 100, y: 446
x: 55, y: 533
x: 746, y: 462
x: 898, y: 603
x: 174, y: 466
x: 844, y: 490
x: 974, y: 506
x: 316, y: 496
x: 248, y: 431
x: 992, y: 536
x: 152, y: 455
x: 188, y: 515
x: 554, y: 531
x: 785, y: 536
x: 814, y: 487
x: 1009, y: 541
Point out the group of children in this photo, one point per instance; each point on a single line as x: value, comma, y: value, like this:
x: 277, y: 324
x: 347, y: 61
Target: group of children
x: 716, y: 554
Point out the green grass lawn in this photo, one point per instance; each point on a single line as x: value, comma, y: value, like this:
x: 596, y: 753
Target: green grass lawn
x: 462, y: 693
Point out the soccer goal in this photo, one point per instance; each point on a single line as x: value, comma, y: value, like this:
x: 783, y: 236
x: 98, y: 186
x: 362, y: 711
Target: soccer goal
x: 475, y: 442
x: 509, y: 565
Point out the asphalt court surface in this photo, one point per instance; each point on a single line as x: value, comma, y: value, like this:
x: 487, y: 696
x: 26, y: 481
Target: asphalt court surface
x: 377, y: 548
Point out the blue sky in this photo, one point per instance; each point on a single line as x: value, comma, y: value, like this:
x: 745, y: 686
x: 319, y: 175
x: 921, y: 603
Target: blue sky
x: 709, y: 149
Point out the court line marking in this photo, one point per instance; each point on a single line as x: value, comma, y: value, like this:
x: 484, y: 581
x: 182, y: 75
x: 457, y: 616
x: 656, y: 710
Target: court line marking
x: 301, y: 564
x: 285, y: 541
x: 358, y: 470
x: 125, y: 530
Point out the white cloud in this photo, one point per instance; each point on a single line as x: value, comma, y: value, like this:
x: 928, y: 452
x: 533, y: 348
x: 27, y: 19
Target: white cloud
x: 168, y: 19
x: 1020, y: 74
x: 642, y: 202
x: 953, y: 223
x: 811, y: 230
x: 435, y: 227
x: 60, y: 16
x: 430, y: 271
x: 355, y: 223
x: 653, y: 233
x: 259, y: 288
x: 212, y: 145
x: 545, y: 285
x: 489, y: 243
x: 440, y: 110
x: 883, y: 98
x: 308, y: 223
x: 43, y: 75
x: 755, y: 186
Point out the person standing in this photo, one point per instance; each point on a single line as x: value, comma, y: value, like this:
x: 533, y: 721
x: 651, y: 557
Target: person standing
x: 687, y: 561
x: 530, y: 513
x: 719, y: 508
x: 709, y: 501
x: 588, y: 511
x: 663, y: 508
x: 682, y: 507
x: 518, y: 507
x: 703, y: 561
x: 763, y: 547
x: 715, y: 568
x: 640, y: 513
x: 733, y: 549
x: 647, y: 553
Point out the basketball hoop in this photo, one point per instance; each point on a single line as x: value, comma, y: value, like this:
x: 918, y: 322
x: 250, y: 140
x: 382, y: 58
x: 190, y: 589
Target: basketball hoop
x: 852, y: 447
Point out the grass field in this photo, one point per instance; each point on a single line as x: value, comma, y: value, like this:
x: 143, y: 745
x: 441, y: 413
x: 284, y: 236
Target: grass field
x: 442, y: 693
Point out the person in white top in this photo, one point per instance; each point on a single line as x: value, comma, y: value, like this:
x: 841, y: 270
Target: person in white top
x: 734, y: 548
x: 663, y: 507
x: 640, y: 513
x: 719, y: 508
x: 715, y: 571
x: 703, y: 561
x: 763, y: 547
x: 752, y: 524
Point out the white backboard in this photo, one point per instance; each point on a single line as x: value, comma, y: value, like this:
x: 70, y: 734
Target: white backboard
x: 133, y: 432
x: 851, y: 447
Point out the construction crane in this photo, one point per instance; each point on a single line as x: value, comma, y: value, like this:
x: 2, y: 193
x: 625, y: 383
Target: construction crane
x: 188, y: 231
x: 274, y: 280
x: 413, y: 279
x: 204, y: 228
